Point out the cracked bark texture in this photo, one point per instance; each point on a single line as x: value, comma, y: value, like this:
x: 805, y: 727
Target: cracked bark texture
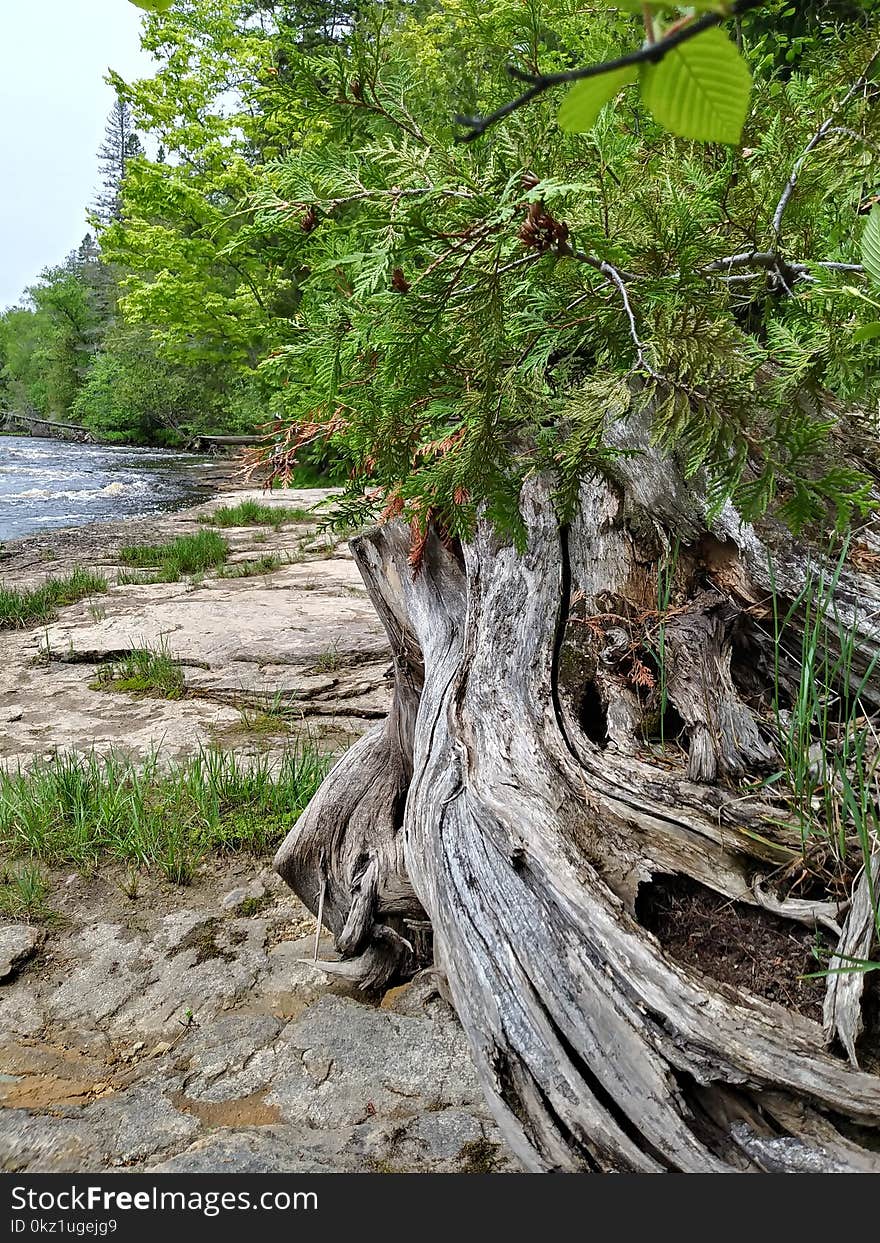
x: 507, y: 799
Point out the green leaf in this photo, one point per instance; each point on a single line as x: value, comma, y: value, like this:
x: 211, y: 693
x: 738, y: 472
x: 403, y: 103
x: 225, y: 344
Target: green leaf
x: 871, y: 245
x: 700, y: 89
x: 153, y: 6
x: 583, y: 103
x: 867, y: 332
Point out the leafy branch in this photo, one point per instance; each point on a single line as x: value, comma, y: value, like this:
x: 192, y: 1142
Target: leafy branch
x: 651, y: 53
x: 771, y: 260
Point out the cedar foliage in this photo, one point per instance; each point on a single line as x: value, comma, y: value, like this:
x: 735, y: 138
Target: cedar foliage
x: 438, y: 319
x: 455, y: 330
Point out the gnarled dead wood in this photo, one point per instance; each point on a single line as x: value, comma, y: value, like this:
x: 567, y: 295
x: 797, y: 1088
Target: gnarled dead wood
x: 345, y: 853
x: 529, y: 815
x: 842, y: 1016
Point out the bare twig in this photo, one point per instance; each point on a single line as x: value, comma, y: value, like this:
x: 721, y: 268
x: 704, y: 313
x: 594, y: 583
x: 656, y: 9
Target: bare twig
x: 774, y: 265
x: 745, y: 258
x: 617, y: 279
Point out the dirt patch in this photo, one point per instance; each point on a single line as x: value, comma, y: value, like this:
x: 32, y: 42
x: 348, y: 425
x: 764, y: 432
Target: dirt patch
x: 46, y: 1092
x: 203, y: 939
x: 735, y: 943
x: 43, y: 1076
x: 250, y: 1110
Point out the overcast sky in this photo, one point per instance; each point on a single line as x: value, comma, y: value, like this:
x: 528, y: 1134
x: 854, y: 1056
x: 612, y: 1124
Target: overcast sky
x: 53, y: 108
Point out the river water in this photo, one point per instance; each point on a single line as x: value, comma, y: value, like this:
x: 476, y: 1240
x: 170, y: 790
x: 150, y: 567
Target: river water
x: 45, y: 484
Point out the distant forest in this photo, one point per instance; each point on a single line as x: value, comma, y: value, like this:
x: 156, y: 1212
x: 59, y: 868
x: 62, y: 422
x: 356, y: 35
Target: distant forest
x: 153, y: 329
x: 68, y: 351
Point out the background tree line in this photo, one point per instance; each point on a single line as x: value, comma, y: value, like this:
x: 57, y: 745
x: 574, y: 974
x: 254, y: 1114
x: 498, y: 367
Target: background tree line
x: 148, y: 333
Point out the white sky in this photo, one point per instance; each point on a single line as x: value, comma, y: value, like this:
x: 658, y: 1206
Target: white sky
x: 53, y: 108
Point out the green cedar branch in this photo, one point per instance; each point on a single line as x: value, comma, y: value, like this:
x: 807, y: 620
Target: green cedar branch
x: 771, y: 260
x: 649, y: 53
x: 825, y: 129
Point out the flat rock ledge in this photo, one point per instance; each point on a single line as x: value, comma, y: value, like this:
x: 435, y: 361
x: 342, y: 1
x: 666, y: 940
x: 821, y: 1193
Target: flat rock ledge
x: 298, y: 642
x: 159, y: 1035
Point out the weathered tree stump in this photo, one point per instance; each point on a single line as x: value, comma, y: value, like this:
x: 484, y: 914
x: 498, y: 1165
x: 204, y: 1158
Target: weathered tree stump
x: 512, y: 800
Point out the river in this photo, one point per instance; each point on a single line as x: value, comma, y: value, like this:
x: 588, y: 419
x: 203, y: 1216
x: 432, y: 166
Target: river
x: 45, y: 484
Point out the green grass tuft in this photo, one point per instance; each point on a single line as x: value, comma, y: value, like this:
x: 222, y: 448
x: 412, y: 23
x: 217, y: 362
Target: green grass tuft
x: 76, y: 810
x: 188, y: 554
x: 253, y: 514
x: 271, y: 714
x: 256, y: 565
x: 23, y: 893
x: 144, y: 671
x: 21, y: 607
x: 137, y: 578
x: 828, y: 737
x: 329, y: 660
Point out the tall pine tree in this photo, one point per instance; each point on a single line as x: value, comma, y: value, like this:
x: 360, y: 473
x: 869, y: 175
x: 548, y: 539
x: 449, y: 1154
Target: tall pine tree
x: 121, y: 144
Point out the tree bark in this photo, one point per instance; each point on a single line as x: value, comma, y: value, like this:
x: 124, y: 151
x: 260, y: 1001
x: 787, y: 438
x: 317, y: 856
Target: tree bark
x: 511, y: 800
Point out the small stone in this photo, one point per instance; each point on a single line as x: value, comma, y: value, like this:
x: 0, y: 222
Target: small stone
x: 270, y: 880
x: 232, y: 900
x: 17, y: 944
x: 317, y: 1064
x: 243, y: 896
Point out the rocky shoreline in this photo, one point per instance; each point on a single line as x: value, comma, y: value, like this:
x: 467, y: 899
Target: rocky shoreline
x: 174, y: 1028
x: 303, y: 634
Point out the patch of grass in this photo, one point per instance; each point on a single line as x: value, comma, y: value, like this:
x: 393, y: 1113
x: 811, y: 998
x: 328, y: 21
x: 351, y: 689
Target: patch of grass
x: 258, y: 565
x: 23, y: 893
x: 20, y: 607
x: 188, y: 554
x: 144, y: 671
x: 329, y: 660
x: 826, y: 733
x: 131, y: 883
x: 270, y: 714
x: 253, y: 514
x: 828, y: 736
x: 137, y: 578
x: 75, y: 810
x: 254, y: 906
